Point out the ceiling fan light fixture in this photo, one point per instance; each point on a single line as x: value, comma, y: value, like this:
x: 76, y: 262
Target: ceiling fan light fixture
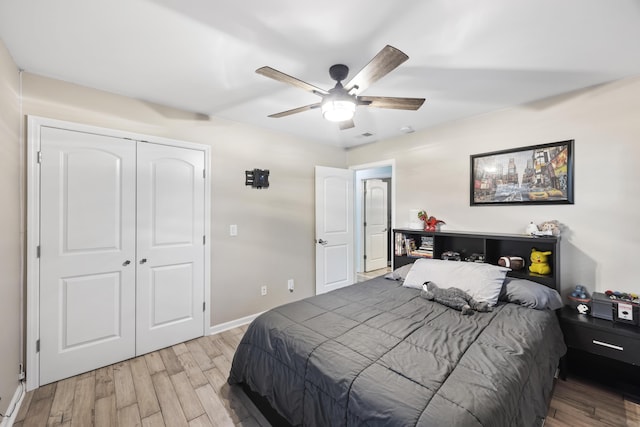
x: 338, y: 110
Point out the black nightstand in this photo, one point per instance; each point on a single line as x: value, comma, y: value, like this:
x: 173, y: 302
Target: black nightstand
x: 602, y: 337
x: 601, y: 350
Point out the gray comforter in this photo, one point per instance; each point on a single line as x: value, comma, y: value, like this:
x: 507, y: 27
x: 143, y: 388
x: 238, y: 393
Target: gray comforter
x: 376, y: 353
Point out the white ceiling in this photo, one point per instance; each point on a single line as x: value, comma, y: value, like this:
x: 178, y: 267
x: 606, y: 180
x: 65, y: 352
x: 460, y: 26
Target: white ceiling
x: 466, y: 57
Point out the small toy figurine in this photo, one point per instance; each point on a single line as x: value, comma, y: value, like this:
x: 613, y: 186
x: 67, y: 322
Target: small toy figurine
x: 580, y: 292
x: 432, y: 223
x: 580, y: 299
x: 550, y: 227
x: 583, y: 308
x: 539, y: 262
x: 630, y: 297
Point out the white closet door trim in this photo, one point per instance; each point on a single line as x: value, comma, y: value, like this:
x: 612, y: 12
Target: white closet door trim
x: 34, y: 124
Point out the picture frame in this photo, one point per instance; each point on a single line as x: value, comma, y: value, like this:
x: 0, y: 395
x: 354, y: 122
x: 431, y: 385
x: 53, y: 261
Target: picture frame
x: 533, y: 175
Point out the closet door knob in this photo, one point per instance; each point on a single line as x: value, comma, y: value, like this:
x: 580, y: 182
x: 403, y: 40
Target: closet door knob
x: 143, y: 260
x: 127, y: 262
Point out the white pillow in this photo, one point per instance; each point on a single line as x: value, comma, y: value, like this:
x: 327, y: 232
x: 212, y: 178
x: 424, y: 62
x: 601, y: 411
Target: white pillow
x: 482, y: 281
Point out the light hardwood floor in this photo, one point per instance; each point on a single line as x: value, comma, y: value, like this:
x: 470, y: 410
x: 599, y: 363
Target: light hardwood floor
x: 185, y: 385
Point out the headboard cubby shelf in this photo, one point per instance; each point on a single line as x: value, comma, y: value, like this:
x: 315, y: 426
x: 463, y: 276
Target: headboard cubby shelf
x: 408, y: 245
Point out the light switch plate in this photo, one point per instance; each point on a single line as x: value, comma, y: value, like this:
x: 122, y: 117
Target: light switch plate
x: 233, y: 230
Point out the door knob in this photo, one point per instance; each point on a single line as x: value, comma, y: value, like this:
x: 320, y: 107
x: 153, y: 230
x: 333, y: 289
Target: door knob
x: 323, y: 242
x: 127, y: 262
x: 143, y: 260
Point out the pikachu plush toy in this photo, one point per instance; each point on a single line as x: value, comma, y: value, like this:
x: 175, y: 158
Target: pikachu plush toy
x: 539, y: 264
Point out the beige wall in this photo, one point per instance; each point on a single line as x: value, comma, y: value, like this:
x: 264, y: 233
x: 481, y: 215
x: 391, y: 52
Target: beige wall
x: 602, y: 240
x: 10, y: 235
x: 275, y: 239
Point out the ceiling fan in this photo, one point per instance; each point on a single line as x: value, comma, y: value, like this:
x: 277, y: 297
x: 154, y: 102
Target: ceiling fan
x: 339, y: 103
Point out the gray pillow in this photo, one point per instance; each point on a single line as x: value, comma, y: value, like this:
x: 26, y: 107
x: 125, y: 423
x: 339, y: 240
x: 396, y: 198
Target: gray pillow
x: 399, y: 273
x: 530, y: 294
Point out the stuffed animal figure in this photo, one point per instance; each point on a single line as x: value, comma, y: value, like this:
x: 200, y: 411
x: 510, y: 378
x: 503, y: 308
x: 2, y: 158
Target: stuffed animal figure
x: 454, y: 298
x: 539, y: 262
x: 550, y: 227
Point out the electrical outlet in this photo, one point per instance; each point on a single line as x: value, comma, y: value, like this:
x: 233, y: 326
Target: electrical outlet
x: 290, y: 285
x: 263, y: 290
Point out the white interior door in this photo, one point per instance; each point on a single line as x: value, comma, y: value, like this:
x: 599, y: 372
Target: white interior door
x: 170, y: 262
x: 376, y: 218
x: 334, y: 228
x: 87, y: 260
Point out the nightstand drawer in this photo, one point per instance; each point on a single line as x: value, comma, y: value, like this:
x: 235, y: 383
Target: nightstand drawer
x: 603, y: 343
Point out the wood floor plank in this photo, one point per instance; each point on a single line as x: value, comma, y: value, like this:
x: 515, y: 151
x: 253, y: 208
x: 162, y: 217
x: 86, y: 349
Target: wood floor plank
x: 231, y: 338
x: 62, y: 405
x: 45, y: 392
x: 145, y: 393
x: 129, y: 416
x: 213, y: 406
x: 104, y: 382
x: 83, y: 401
x: 170, y: 360
x: 193, y: 370
x: 179, y: 349
x: 38, y: 414
x: 154, y: 420
x: 233, y: 403
x: 168, y: 399
x: 199, y: 355
x: 201, y: 421
x: 154, y: 362
x: 216, y: 378
x: 227, y: 350
x: 105, y: 414
x: 577, y: 419
x: 124, y: 388
x: 207, y: 345
x: 248, y: 422
x: 186, y: 394
x: 222, y: 363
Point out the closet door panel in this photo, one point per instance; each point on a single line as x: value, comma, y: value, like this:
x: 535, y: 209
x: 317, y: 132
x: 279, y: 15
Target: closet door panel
x: 170, y: 227
x: 87, y: 270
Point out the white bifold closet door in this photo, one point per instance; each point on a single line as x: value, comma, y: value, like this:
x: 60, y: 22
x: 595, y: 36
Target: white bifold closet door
x: 121, y: 237
x: 170, y: 291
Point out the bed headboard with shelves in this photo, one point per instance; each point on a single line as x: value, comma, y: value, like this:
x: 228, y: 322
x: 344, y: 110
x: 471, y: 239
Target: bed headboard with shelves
x: 410, y: 245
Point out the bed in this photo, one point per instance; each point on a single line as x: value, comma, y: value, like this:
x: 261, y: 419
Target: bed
x: 377, y: 353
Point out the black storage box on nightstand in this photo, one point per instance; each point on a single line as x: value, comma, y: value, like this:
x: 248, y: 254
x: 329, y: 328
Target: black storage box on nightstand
x: 601, y: 306
x: 621, y: 311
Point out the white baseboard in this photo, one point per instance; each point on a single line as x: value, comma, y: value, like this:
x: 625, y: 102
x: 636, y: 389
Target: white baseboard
x: 14, y: 405
x: 232, y: 324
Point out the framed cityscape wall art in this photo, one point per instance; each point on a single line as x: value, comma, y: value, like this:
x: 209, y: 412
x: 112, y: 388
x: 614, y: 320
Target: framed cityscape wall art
x: 537, y: 174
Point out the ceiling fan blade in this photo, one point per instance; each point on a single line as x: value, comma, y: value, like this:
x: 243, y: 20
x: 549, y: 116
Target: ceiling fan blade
x: 347, y: 124
x: 295, y: 110
x: 389, y: 102
x: 382, y: 64
x: 285, y: 78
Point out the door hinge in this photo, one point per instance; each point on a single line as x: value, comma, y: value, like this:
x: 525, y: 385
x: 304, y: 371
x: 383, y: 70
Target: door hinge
x: 204, y: 173
x: 365, y: 257
x: 38, y: 251
x: 204, y: 240
x: 39, y: 156
x: 37, y: 346
x: 204, y: 305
